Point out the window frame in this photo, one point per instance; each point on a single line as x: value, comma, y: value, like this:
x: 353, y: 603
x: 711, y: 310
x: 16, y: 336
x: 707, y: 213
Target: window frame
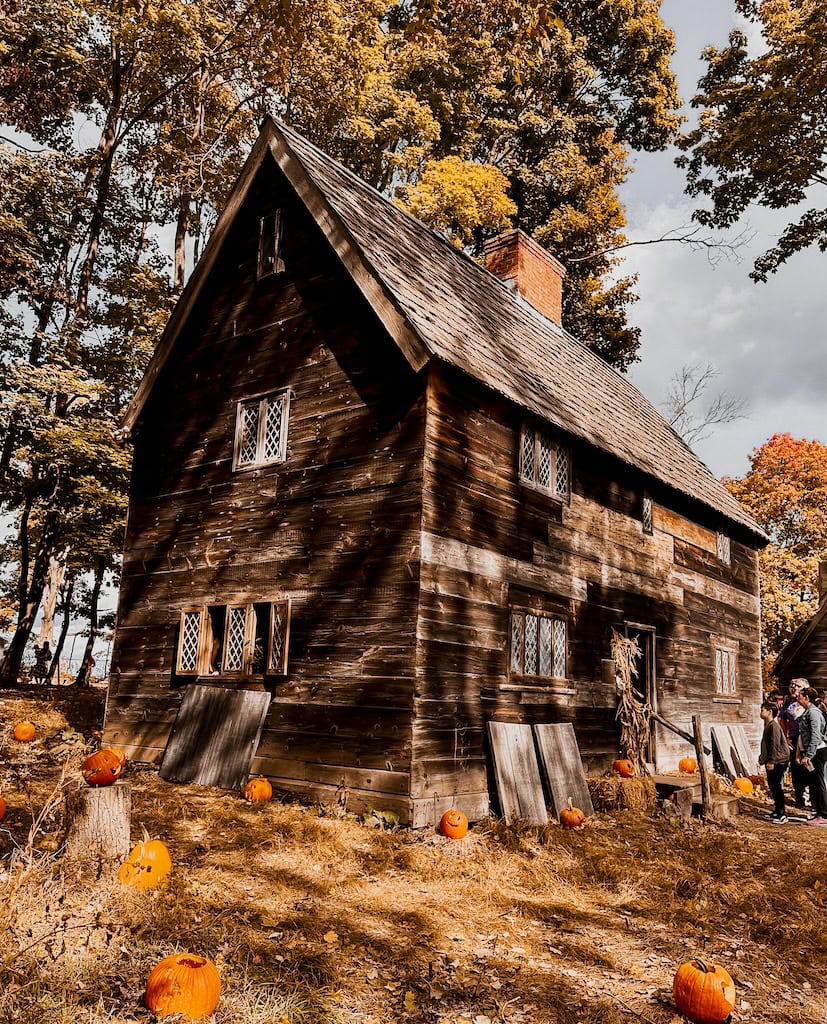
x: 540, y: 436
x: 202, y: 669
x: 721, y: 654
x: 522, y: 612
x: 723, y: 547
x: 284, y: 395
x: 270, y: 263
x: 647, y: 518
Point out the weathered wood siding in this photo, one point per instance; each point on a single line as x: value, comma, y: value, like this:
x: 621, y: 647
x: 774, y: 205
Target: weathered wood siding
x: 490, y: 541
x: 335, y: 528
x: 810, y: 660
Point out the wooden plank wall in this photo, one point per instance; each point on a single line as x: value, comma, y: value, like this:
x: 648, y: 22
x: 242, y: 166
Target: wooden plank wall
x: 810, y: 660
x: 489, y: 541
x: 335, y: 528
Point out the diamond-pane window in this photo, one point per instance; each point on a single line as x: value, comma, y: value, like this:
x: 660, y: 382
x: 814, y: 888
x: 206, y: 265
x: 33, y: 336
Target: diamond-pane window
x: 561, y: 476
x: 646, y: 514
x: 249, y: 434
x: 527, y: 455
x: 725, y: 681
x: 234, y: 636
x: 545, y: 647
x: 723, y: 546
x: 261, y: 430
x: 544, y: 463
x: 279, y: 637
x: 516, y: 641
x: 188, y: 645
x: 559, y: 667
x: 530, y: 660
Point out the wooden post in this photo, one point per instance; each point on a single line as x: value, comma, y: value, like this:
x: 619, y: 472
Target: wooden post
x: 98, y: 823
x: 706, y: 792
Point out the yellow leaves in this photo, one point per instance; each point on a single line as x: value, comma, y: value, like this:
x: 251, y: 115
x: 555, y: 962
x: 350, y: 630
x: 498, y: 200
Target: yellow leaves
x: 460, y: 197
x: 331, y: 937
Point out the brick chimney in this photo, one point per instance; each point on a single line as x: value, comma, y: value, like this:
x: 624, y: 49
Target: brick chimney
x: 822, y: 582
x: 527, y: 268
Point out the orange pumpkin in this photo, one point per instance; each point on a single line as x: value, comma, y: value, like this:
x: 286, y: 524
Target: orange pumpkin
x: 24, y: 732
x: 454, y: 824
x: 147, y: 865
x: 102, y: 768
x: 688, y: 765
x: 571, y: 817
x: 121, y: 756
x: 258, y: 789
x: 625, y: 769
x: 2, y: 808
x: 183, y: 983
x: 704, y: 993
x: 743, y: 786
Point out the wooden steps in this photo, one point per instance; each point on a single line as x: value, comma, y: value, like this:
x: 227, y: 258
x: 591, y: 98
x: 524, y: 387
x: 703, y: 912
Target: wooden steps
x: 686, y: 790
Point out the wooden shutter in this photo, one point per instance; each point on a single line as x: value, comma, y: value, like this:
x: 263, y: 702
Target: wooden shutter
x: 194, y: 638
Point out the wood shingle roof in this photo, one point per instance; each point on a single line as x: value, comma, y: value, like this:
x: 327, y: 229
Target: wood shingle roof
x: 439, y: 303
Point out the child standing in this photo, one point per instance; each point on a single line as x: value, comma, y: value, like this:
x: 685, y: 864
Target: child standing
x: 775, y: 756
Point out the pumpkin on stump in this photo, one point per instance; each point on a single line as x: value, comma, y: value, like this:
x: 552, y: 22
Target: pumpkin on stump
x: 625, y: 769
x: 572, y: 817
x: 147, y: 865
x: 704, y: 993
x: 258, y: 789
x: 24, y: 732
x: 688, y: 765
x: 454, y: 824
x: 743, y: 786
x: 102, y: 768
x: 121, y: 756
x: 183, y: 983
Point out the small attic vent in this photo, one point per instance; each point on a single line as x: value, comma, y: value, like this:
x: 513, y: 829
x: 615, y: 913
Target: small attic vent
x: 269, y: 245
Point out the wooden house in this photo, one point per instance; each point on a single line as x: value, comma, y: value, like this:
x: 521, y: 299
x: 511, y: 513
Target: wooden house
x: 804, y: 656
x: 380, y: 482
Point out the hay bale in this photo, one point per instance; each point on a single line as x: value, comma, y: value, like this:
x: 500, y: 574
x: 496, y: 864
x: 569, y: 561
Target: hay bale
x: 612, y: 793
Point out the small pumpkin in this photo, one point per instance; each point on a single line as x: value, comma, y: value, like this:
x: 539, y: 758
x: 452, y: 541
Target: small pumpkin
x: 258, y: 789
x: 183, y: 983
x: 24, y: 732
x: 147, y: 865
x: 688, y: 765
x: 102, y: 768
x: 2, y: 808
x: 743, y: 786
x: 625, y: 769
x: 704, y: 993
x: 571, y: 817
x: 454, y: 824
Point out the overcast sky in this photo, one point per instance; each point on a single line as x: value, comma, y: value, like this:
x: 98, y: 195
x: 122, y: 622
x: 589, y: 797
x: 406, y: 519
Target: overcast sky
x: 767, y: 340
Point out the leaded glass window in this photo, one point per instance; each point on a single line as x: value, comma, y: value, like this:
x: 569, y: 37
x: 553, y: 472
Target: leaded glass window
x: 235, y: 635
x: 279, y: 638
x: 261, y: 430
x: 537, y: 644
x: 723, y: 548
x: 646, y: 514
x: 544, y: 463
x: 725, y: 662
x: 189, y: 646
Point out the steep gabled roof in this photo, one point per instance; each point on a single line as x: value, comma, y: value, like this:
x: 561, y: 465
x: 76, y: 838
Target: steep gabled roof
x: 436, y: 302
x: 793, y: 646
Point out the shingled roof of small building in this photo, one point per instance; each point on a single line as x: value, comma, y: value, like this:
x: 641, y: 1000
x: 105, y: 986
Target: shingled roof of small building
x: 467, y: 317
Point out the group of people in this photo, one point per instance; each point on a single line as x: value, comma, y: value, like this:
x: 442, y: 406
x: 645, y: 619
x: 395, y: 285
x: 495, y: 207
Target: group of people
x: 795, y: 738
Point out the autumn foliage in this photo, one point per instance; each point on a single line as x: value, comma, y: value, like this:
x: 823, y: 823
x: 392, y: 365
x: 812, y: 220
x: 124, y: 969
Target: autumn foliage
x: 786, y: 492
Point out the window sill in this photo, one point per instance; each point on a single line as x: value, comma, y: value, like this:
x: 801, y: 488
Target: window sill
x: 559, y: 499
x: 727, y: 700
x: 558, y: 686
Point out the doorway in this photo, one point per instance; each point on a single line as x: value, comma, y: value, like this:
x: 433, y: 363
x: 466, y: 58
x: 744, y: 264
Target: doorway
x: 646, y: 679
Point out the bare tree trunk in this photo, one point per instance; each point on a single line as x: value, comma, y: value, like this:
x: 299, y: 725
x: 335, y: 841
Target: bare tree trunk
x: 98, y: 824
x: 30, y: 591
x: 68, y: 592
x: 187, y: 192
x: 54, y: 581
x: 83, y: 676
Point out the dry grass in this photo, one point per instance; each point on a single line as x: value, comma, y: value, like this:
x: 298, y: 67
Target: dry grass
x: 315, y: 917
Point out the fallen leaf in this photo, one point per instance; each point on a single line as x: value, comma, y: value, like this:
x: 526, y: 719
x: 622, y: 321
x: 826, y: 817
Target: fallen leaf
x: 410, y: 1001
x: 331, y: 937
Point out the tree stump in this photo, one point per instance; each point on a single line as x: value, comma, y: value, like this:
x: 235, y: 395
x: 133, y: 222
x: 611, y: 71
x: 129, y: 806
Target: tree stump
x: 98, y: 824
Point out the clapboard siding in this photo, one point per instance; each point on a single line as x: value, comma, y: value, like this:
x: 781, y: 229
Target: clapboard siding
x: 335, y: 527
x: 490, y: 542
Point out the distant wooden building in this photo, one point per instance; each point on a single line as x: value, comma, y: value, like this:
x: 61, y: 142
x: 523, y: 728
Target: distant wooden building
x: 804, y: 656
x: 381, y: 482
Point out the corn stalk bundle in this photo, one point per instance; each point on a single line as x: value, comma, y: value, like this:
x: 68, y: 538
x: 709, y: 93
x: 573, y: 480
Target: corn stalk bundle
x: 633, y: 712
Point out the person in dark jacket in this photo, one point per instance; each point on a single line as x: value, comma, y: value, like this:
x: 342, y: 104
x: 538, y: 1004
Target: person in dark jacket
x: 775, y: 756
x: 789, y: 716
x: 812, y: 751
